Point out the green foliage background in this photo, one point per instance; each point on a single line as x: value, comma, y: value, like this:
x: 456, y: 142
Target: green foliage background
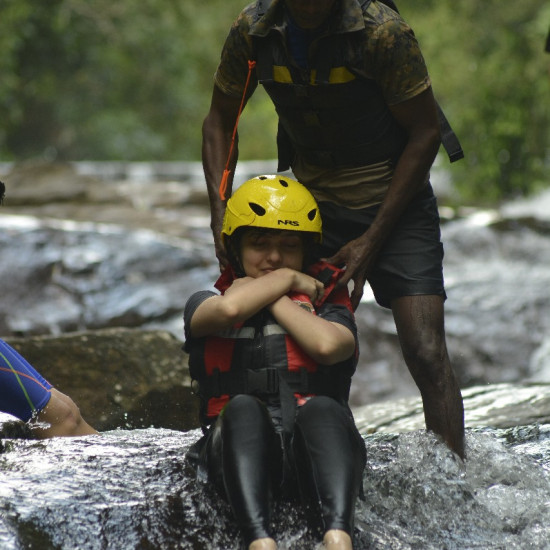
x: 104, y: 80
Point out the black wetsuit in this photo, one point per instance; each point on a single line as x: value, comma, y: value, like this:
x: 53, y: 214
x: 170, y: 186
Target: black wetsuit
x: 251, y: 461
x: 256, y: 449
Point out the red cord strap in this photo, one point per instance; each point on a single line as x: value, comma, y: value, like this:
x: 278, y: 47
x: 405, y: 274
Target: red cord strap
x: 226, y: 172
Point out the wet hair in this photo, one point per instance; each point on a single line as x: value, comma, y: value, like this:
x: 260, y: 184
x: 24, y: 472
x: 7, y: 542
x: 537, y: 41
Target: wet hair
x: 2, y: 191
x: 233, y: 246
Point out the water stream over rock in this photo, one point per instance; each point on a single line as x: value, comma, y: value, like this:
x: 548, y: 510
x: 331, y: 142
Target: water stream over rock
x: 108, y: 245
x: 133, y: 490
x: 88, y: 247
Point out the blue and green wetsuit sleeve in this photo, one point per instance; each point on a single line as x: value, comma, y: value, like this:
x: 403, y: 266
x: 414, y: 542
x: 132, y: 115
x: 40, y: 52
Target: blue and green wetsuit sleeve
x: 23, y: 391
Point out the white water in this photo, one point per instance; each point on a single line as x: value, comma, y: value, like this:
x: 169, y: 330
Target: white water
x: 133, y: 490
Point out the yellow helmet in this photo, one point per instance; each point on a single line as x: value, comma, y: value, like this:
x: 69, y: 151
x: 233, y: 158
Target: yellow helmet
x: 273, y: 202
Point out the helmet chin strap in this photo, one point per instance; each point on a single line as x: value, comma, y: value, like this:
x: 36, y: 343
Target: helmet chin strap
x: 227, y: 171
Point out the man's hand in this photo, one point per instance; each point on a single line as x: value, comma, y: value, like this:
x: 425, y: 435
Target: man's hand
x: 216, y: 226
x: 358, y: 256
x: 221, y: 253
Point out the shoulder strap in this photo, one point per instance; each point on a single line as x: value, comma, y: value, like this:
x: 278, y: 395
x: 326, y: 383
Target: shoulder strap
x: 449, y: 139
x: 261, y: 7
x: 390, y: 3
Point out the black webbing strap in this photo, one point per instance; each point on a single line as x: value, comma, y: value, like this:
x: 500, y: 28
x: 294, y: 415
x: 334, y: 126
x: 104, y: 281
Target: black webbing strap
x: 264, y: 61
x: 261, y: 382
x: 448, y: 137
x: 261, y: 8
x: 272, y: 381
x: 268, y: 382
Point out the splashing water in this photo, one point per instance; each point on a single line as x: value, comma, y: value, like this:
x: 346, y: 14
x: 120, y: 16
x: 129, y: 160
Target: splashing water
x: 134, y: 490
x: 419, y: 495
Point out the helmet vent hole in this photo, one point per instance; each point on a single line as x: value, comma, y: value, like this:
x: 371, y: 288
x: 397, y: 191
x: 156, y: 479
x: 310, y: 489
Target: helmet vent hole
x: 311, y: 214
x: 257, y: 209
x: 283, y: 183
x: 262, y: 177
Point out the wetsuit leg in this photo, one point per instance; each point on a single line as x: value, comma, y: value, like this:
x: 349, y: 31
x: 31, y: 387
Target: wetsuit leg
x: 330, y: 456
x: 23, y: 391
x: 245, y: 451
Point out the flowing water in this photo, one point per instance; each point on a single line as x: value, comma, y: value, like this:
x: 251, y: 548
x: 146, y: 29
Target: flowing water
x: 132, y: 489
x: 127, y: 490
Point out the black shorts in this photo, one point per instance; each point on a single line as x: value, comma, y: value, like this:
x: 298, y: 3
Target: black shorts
x: 411, y: 260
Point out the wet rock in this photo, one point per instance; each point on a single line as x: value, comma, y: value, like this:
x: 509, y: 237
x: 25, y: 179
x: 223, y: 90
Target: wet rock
x: 139, y: 378
x: 133, y: 489
x: 36, y: 183
x: 118, y: 377
x: 64, y: 276
x: 494, y: 405
x: 125, y: 244
x: 78, y: 252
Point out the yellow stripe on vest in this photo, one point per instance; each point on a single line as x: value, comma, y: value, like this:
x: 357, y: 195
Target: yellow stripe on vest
x: 281, y: 74
x: 338, y: 75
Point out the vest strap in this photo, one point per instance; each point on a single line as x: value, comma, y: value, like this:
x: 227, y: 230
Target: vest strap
x: 448, y: 138
x: 267, y: 382
x: 346, y: 157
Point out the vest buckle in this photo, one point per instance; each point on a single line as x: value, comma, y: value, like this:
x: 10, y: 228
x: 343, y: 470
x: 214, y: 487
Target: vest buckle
x: 263, y: 381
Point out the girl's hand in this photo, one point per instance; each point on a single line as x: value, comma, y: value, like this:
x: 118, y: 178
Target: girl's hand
x: 308, y: 285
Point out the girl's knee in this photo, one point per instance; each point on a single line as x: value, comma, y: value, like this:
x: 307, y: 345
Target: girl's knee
x: 244, y: 412
x: 319, y: 407
x: 240, y: 405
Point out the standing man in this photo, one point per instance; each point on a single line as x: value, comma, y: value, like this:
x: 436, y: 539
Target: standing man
x: 359, y: 127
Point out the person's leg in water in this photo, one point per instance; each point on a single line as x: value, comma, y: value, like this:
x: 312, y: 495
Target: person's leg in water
x: 330, y: 457
x: 244, y: 454
x: 408, y: 278
x: 420, y: 327
x: 60, y: 417
x: 25, y: 394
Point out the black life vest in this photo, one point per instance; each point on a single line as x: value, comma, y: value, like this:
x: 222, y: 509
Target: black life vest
x: 320, y: 110
x: 258, y: 357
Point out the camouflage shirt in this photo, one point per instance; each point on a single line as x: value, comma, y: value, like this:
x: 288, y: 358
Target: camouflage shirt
x: 388, y: 52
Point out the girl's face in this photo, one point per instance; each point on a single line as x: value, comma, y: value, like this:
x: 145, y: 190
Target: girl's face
x: 264, y: 251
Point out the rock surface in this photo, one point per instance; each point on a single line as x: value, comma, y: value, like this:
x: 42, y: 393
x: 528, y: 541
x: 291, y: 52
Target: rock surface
x: 496, y: 406
x: 92, y: 246
x: 139, y: 379
x: 118, y: 377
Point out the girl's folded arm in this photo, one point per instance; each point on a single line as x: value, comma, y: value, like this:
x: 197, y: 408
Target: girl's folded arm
x: 244, y: 298
x: 324, y: 341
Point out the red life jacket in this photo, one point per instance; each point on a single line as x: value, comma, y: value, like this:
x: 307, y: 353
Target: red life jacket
x: 258, y: 357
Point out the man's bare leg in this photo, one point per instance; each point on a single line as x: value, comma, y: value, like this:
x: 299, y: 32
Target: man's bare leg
x: 420, y: 326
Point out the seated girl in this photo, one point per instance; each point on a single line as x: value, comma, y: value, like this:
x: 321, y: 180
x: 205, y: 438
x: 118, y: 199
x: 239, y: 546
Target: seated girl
x: 273, y: 356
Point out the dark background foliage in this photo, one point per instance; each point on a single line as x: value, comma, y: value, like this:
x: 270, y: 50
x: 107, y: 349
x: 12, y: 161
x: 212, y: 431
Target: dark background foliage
x: 103, y: 80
